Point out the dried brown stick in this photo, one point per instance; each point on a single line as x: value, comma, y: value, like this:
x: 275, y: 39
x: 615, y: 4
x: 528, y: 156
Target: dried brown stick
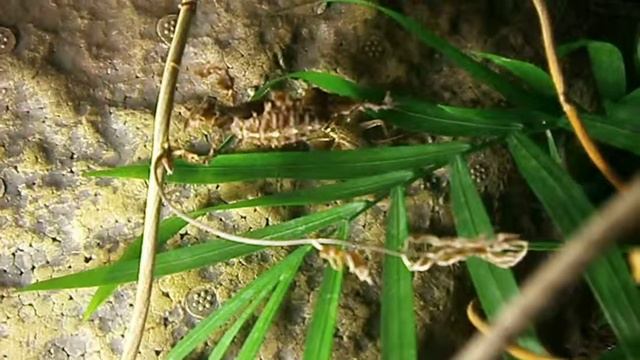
x: 572, y: 114
x: 152, y: 210
x: 514, y: 350
x: 619, y: 217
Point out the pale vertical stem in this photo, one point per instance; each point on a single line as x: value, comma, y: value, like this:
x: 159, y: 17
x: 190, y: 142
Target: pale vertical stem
x: 164, y: 107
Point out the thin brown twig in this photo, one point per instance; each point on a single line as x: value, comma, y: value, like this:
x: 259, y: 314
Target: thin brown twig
x: 572, y: 114
x: 514, y: 350
x: 615, y: 220
x: 574, y: 119
x: 152, y: 211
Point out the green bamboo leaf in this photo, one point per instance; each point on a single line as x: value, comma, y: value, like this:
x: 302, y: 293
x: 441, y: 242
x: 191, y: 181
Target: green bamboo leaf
x: 555, y: 245
x: 480, y: 72
x: 623, y: 114
x: 251, y: 346
x: 344, y: 190
x: 418, y: 115
x: 607, y: 65
x: 327, y: 193
x: 553, y: 148
x: 632, y: 97
x: 211, y: 252
x: 568, y: 206
x: 319, y: 340
x: 494, y: 286
x: 315, y: 165
x: 544, y: 245
x: 231, y: 307
x: 623, y: 134
x: 531, y: 119
x: 613, y: 354
x: 225, y: 341
x: 166, y: 230
x: 442, y: 123
x: 536, y: 78
x: 422, y: 116
x: 610, y: 132
x: 330, y: 83
x: 398, y: 333
x: 100, y: 296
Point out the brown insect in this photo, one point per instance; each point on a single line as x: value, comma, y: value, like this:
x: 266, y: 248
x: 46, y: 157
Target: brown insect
x: 505, y: 251
x: 283, y: 121
x: 337, y: 257
x: 317, y: 119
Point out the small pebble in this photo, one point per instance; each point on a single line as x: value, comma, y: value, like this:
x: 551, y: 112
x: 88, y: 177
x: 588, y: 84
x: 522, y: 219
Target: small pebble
x: 23, y: 261
x: 3, y: 187
x: 56, y: 353
x: 75, y: 346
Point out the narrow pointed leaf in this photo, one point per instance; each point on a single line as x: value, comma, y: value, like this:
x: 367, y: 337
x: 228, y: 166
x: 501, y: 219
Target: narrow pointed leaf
x: 632, y: 98
x: 569, y: 207
x: 398, y: 333
x: 319, y: 340
x: 314, y: 165
x: 442, y: 123
x: 607, y: 65
x: 479, y: 71
x: 225, y: 341
x: 494, y: 286
x: 344, y: 190
x: 530, y: 119
x: 422, y: 116
x: 553, y: 148
x: 251, y: 346
x: 233, y: 306
x: 418, y: 115
x: 330, y: 83
x: 620, y: 127
x: 624, y: 113
x: 536, y: 78
x: 613, y: 354
x: 327, y: 193
x: 609, y: 132
x: 211, y: 252
x: 166, y: 230
x: 555, y: 245
x: 228, y: 337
